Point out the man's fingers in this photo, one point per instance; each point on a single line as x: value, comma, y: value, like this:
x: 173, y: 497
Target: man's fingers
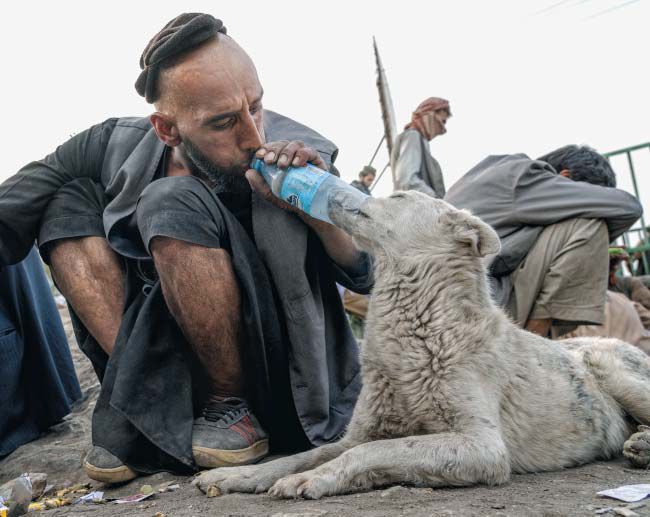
x: 270, y: 151
x: 257, y: 183
x: 308, y: 155
x: 288, y: 153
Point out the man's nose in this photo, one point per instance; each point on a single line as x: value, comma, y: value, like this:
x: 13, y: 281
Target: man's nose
x: 250, y: 138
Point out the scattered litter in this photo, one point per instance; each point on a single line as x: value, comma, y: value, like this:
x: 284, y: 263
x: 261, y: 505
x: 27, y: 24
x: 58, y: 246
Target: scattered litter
x: 146, y: 489
x: 627, y: 493
x: 92, y: 497
x: 159, y: 514
x: 213, y: 491
x: 168, y: 487
x: 36, y: 507
x: 134, y: 498
x: 604, y: 510
x: 75, y: 490
x: 57, y: 502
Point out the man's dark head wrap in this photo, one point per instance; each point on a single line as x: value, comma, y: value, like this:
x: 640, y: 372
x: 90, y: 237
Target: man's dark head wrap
x: 180, y: 35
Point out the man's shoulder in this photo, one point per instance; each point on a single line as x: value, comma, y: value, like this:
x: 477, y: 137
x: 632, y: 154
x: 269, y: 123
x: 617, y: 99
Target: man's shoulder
x: 141, y: 123
x: 506, y: 169
x: 280, y: 127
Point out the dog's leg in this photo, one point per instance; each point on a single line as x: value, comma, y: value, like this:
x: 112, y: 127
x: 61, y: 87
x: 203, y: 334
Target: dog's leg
x: 259, y: 478
x: 446, y: 459
x: 623, y: 371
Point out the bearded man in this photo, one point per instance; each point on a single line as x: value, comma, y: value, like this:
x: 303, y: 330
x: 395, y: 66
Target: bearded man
x: 209, y: 309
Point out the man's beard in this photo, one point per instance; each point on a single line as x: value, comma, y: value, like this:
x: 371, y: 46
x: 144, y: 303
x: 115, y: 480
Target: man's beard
x: 220, y: 179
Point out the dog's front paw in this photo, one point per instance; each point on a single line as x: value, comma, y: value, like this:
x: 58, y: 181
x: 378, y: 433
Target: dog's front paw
x: 309, y: 485
x: 246, y: 479
x: 637, y: 448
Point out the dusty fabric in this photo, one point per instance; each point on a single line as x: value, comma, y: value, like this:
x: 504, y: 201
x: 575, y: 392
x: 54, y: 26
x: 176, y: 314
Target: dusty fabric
x: 38, y: 384
x: 621, y: 321
x: 644, y: 315
x: 518, y: 197
x: 564, y: 276
x: 181, y: 34
x: 634, y: 289
x: 414, y: 166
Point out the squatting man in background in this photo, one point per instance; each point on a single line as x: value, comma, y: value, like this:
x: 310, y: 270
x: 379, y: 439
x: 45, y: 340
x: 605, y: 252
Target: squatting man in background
x: 555, y: 217
x: 191, y: 294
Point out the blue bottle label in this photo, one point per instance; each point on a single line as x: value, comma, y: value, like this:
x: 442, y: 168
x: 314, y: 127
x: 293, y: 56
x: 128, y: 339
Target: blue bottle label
x: 300, y: 186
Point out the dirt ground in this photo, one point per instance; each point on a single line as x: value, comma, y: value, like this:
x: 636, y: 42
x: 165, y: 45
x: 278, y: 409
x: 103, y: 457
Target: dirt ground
x: 59, y: 452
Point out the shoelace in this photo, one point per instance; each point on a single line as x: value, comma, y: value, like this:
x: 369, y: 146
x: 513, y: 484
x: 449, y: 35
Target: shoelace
x: 228, y: 410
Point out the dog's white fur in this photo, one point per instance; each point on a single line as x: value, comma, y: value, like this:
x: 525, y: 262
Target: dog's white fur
x: 453, y: 392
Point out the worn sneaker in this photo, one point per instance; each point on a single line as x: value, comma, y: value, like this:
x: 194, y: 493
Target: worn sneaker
x: 228, y: 435
x: 101, y: 465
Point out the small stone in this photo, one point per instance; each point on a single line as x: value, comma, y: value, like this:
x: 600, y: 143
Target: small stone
x: 213, y: 491
x: 625, y: 512
x: 39, y: 483
x: 395, y: 492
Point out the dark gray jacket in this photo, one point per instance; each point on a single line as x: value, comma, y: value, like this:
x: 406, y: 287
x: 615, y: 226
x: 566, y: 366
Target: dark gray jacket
x: 123, y: 156
x: 518, y: 197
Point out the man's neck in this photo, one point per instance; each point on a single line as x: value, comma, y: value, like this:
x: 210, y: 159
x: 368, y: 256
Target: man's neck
x: 175, y: 165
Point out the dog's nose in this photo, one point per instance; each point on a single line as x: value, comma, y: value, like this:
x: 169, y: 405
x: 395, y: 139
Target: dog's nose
x: 349, y: 200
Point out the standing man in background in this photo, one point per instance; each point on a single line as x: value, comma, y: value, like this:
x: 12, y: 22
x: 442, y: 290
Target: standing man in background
x: 413, y: 165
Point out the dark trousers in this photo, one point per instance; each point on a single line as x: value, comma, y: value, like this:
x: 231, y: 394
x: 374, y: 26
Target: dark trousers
x: 151, y: 384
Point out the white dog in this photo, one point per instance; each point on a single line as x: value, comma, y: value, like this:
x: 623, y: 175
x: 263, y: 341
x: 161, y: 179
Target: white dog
x: 454, y: 393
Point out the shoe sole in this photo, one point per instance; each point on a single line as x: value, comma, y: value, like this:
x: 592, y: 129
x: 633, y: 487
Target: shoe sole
x: 210, y: 458
x: 111, y: 476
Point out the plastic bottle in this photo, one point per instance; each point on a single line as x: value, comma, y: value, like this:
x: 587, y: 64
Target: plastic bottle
x: 308, y: 188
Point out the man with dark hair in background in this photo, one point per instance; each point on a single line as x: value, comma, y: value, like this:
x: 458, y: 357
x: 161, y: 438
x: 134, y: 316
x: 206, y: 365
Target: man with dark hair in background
x: 209, y: 310
x: 365, y: 180
x: 555, y: 217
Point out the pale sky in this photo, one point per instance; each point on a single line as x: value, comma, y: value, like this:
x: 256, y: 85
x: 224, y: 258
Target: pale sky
x: 522, y: 76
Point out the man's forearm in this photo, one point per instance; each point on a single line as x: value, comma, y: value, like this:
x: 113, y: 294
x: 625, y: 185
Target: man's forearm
x: 338, y: 244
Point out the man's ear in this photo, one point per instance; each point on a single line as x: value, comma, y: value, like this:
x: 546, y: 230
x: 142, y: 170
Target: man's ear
x: 468, y: 230
x: 166, y: 129
x: 566, y: 173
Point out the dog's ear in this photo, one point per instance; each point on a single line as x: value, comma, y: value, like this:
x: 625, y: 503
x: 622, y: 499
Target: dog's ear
x: 470, y: 231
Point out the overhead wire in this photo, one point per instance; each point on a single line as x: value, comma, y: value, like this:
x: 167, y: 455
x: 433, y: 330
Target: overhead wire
x: 609, y: 10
